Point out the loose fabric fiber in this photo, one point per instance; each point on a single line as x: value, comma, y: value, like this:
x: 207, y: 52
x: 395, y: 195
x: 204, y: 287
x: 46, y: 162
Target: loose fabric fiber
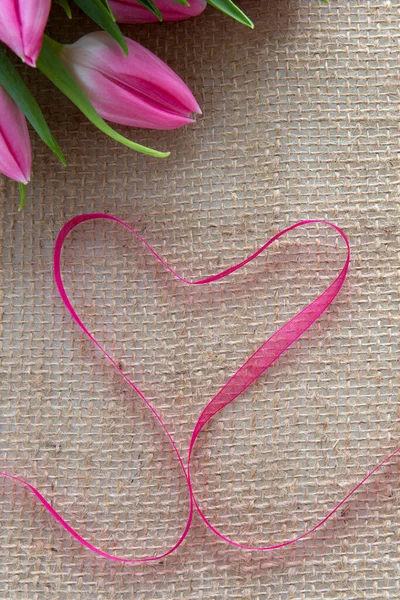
x: 301, y: 121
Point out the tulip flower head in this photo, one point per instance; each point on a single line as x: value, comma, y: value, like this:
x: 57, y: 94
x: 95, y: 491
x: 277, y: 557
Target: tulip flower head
x: 131, y: 11
x: 15, y: 145
x: 22, y: 24
x: 139, y: 90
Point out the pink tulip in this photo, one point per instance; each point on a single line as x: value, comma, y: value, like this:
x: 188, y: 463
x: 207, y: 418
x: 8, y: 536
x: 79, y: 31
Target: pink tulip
x: 130, y: 11
x: 139, y: 90
x: 22, y: 24
x: 15, y: 145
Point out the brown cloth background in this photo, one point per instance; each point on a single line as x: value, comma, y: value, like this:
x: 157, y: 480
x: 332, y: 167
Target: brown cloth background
x: 301, y: 120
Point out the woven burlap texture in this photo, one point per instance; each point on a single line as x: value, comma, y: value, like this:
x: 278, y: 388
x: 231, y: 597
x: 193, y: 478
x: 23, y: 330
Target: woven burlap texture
x: 300, y: 120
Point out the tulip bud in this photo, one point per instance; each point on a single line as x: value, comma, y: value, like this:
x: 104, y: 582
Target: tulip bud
x: 22, y: 24
x: 131, y: 11
x: 15, y: 145
x: 139, y: 90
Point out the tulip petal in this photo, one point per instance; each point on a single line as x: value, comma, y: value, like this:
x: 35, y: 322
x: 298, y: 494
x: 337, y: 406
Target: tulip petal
x: 22, y: 24
x: 118, y: 104
x: 131, y: 11
x: 34, y: 17
x: 15, y: 145
x: 139, y: 90
x: 10, y: 27
x: 13, y: 83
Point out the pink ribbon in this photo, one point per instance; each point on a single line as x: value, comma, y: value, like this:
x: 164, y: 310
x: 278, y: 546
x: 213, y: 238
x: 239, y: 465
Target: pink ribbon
x: 255, y: 366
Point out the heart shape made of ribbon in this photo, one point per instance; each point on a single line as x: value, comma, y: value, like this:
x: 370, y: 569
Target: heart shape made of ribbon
x: 253, y: 367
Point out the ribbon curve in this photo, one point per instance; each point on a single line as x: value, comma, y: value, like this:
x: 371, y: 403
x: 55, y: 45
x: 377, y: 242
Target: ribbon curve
x: 257, y: 364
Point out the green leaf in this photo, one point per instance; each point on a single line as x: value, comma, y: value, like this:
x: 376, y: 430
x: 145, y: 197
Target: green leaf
x: 229, y: 8
x: 22, y: 195
x: 108, y: 7
x: 66, y: 7
x: 149, y: 4
x: 100, y: 13
x: 183, y: 2
x: 51, y: 65
x: 12, y: 81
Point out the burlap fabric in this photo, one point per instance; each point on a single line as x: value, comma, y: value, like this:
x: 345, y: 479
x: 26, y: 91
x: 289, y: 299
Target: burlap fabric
x: 301, y: 120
